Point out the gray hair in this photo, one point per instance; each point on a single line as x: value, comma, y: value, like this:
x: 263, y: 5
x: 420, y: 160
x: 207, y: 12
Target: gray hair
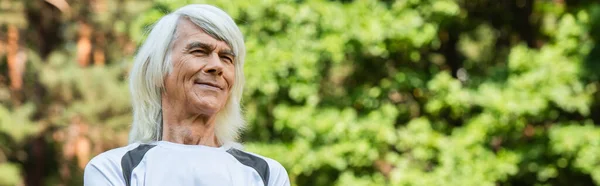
x: 152, y: 63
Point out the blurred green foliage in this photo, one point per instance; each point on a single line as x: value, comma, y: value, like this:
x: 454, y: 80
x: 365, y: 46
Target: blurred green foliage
x: 405, y: 92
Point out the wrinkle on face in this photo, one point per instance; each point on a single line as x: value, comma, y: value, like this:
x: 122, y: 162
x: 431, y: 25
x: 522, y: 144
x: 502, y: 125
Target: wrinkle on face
x: 186, y: 41
x: 190, y: 106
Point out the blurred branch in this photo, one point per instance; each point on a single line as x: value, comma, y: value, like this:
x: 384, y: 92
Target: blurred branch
x: 84, y: 44
x: 15, y: 58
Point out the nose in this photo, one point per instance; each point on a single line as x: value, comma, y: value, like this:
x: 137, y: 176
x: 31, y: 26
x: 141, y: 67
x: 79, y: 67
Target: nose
x: 214, y: 66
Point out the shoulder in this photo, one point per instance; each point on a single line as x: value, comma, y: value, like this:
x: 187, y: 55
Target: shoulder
x: 274, y: 165
x: 269, y: 169
x: 111, y: 157
x: 105, y: 168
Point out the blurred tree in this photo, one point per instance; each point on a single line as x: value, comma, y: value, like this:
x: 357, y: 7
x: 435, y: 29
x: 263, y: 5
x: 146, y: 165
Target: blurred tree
x: 406, y: 92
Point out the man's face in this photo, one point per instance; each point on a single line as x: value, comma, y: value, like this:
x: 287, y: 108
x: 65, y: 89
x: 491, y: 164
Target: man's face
x: 203, y: 71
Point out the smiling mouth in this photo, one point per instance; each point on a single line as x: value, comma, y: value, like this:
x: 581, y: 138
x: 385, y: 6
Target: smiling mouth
x: 208, y: 84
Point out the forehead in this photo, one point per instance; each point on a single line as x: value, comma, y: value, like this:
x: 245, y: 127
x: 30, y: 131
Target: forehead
x: 188, y: 32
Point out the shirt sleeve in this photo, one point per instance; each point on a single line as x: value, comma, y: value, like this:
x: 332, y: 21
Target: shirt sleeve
x: 92, y: 176
x: 103, y: 170
x: 278, y: 175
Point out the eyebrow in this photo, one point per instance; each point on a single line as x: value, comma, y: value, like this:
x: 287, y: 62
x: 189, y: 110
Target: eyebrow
x: 197, y: 44
x: 227, y: 52
x: 208, y: 47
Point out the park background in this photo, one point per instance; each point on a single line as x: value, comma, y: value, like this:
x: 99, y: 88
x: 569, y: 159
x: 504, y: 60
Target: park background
x: 363, y: 92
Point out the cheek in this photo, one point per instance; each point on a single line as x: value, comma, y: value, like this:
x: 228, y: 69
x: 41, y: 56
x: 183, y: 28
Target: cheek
x: 174, y: 87
x: 180, y: 74
x: 185, y: 68
x: 230, y: 77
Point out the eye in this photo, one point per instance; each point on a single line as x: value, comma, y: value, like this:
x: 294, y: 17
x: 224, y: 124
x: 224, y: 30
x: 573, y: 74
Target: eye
x: 198, y: 52
x: 228, y: 59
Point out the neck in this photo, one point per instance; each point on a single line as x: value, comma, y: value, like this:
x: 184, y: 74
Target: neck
x: 189, y: 129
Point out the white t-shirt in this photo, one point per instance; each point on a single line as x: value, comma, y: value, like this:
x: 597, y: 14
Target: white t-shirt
x: 165, y: 163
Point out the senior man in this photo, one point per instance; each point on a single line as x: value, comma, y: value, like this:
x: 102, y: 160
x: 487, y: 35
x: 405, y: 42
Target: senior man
x: 186, y: 84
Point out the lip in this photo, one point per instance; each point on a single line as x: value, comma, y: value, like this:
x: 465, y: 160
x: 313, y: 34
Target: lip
x: 208, y: 84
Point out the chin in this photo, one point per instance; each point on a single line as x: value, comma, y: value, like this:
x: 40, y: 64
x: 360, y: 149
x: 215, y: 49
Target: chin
x: 207, y: 108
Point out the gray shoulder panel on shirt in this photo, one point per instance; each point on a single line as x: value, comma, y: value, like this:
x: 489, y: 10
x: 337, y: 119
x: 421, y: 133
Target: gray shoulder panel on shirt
x: 260, y: 165
x: 131, y: 160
